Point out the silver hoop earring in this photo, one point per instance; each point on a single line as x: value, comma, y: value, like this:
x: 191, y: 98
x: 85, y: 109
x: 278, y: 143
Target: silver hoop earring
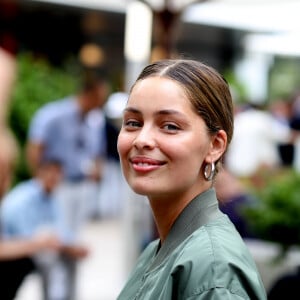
x: 209, y: 171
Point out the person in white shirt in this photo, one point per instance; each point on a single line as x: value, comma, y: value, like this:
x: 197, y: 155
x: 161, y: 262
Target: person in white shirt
x: 254, y: 143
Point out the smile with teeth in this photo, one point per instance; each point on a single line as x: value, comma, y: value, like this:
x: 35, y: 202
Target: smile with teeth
x: 144, y: 164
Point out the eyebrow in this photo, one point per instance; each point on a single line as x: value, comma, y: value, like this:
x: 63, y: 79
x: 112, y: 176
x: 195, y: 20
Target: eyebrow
x: 161, y: 112
x: 169, y: 112
x: 131, y: 109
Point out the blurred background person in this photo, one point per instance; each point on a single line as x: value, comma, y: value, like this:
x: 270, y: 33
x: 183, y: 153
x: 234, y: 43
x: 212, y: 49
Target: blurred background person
x: 255, y: 141
x: 281, y: 110
x: 7, y: 80
x: 234, y: 198
x: 72, y: 130
x: 295, y: 126
x: 16, y: 253
x: 29, y: 209
x: 8, y: 149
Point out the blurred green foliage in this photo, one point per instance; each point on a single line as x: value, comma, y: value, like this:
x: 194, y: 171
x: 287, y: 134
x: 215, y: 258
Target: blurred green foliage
x: 276, y: 215
x: 37, y: 82
x: 284, y: 77
x: 237, y: 88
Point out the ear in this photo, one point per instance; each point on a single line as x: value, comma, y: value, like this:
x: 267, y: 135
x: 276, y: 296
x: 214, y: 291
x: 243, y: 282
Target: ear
x: 218, y: 146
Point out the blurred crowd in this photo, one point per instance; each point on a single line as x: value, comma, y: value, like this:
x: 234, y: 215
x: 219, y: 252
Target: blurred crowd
x: 71, y: 152
x: 266, y: 140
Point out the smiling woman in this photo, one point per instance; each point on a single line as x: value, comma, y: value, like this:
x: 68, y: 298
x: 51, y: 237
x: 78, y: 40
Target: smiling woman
x: 177, y: 125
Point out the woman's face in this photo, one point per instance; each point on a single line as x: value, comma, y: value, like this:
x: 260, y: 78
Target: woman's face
x: 163, y: 142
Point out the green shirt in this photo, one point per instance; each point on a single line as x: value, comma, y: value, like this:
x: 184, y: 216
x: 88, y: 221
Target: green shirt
x: 203, y: 257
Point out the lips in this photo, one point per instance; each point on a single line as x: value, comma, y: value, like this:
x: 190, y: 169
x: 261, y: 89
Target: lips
x: 145, y: 164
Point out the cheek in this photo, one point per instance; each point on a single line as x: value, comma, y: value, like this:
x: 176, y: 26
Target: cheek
x: 189, y: 156
x: 123, y: 144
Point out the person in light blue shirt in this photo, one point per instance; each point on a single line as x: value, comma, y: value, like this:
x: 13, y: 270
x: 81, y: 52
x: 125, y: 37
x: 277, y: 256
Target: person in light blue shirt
x: 69, y: 135
x: 72, y: 130
x: 30, y: 208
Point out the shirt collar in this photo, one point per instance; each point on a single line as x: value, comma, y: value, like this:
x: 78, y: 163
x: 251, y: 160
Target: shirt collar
x: 201, y: 210
x: 38, y: 185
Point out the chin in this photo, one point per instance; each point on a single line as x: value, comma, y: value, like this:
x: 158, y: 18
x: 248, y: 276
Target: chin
x: 141, y: 188
x: 148, y: 191
x: 146, y: 186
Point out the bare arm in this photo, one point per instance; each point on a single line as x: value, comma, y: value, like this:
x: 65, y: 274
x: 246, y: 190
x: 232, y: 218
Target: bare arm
x: 8, y: 149
x: 17, y: 248
x: 75, y: 251
x: 7, y: 80
x: 95, y: 171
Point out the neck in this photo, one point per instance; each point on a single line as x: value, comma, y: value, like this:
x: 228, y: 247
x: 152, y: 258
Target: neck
x: 83, y: 107
x: 166, y: 211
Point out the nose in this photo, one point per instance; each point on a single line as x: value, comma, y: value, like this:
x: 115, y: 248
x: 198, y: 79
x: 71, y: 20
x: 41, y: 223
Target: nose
x: 145, y: 139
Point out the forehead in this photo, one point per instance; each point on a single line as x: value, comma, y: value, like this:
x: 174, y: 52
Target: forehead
x: 157, y: 97
x: 158, y: 91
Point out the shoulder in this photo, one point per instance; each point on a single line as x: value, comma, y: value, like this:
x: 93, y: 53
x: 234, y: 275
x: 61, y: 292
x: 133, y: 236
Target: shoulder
x: 55, y: 109
x: 21, y: 195
x: 215, y: 257
x: 49, y: 115
x: 216, y: 243
x: 211, y: 243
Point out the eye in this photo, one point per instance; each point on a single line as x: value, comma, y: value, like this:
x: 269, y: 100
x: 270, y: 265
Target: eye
x: 171, y: 127
x: 131, y: 124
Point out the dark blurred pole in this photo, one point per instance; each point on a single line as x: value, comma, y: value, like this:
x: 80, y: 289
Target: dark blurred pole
x: 9, y: 10
x: 166, y: 29
x: 166, y: 24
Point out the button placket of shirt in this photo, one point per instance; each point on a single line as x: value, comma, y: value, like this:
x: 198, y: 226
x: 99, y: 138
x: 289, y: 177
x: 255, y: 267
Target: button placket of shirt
x: 80, y: 136
x: 143, y: 279
x: 142, y: 287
